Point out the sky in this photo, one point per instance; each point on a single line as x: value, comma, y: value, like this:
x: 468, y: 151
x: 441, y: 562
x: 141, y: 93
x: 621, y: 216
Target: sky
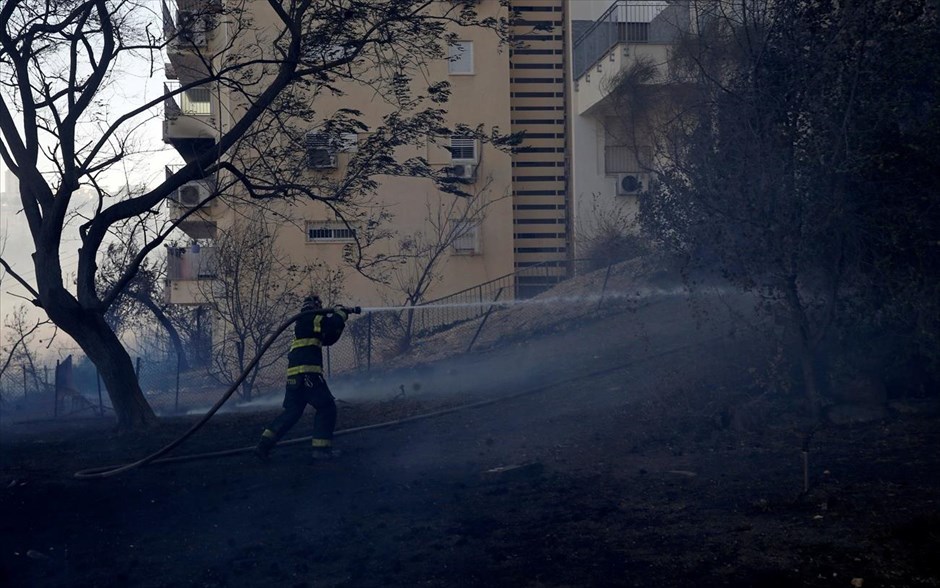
x: 132, y: 85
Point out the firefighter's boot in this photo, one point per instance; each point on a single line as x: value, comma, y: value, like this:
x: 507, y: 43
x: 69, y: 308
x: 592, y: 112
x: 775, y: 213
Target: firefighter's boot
x: 264, y: 446
x: 323, y: 450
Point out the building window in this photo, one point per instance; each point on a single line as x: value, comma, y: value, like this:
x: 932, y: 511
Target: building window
x: 460, y: 58
x: 320, y: 150
x: 349, y: 142
x: 330, y: 231
x: 463, y: 149
x: 621, y: 158
x: 467, y: 237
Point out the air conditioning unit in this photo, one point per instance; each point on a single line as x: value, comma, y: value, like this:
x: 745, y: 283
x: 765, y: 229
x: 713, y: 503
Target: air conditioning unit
x: 631, y: 184
x: 191, y: 28
x: 464, y: 171
x: 192, y: 194
x: 321, y: 159
x: 321, y: 151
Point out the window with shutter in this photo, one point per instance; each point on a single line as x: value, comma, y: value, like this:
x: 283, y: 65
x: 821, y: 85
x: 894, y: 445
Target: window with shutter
x: 321, y: 152
x: 330, y: 231
x: 467, y: 240
x: 463, y: 149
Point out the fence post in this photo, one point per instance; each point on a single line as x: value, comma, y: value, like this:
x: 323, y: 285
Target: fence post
x: 100, y: 403
x: 483, y: 322
x: 176, y: 403
x: 369, y: 342
x: 604, y: 288
x: 55, y: 405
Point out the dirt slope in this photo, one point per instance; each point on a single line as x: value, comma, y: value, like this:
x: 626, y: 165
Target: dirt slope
x: 624, y: 458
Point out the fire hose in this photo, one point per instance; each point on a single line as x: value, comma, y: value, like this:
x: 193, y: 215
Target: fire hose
x: 108, y: 471
x: 155, y: 457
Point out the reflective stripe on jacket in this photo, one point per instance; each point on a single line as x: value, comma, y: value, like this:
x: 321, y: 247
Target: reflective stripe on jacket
x: 306, y: 350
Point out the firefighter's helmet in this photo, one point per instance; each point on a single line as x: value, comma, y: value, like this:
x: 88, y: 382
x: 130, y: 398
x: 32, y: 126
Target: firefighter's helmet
x: 312, y: 302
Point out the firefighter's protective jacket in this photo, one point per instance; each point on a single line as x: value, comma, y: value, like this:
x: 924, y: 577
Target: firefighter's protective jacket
x: 311, y: 333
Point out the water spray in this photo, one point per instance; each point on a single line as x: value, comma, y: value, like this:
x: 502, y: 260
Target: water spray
x: 589, y: 299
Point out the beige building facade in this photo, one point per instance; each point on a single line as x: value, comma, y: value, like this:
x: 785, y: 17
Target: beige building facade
x: 525, y: 221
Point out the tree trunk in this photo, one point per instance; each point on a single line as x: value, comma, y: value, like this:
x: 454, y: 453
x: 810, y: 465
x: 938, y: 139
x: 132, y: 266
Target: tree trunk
x: 170, y: 329
x: 807, y: 351
x: 810, y: 381
x: 104, y: 349
x: 409, y: 326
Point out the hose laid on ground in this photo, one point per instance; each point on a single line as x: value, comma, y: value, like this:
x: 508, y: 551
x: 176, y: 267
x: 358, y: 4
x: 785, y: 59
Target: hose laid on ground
x: 153, y: 458
x: 108, y: 471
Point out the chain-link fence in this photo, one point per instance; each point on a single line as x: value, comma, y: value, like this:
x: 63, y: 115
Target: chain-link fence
x: 370, y: 342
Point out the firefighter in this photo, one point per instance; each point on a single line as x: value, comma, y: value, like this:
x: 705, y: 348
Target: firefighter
x: 305, y: 383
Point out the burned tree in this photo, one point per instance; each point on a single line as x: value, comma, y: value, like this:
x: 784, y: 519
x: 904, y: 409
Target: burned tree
x: 141, y: 301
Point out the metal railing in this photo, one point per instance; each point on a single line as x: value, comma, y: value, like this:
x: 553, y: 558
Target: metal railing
x: 472, y: 303
x: 191, y: 263
x: 191, y: 102
x: 630, y: 21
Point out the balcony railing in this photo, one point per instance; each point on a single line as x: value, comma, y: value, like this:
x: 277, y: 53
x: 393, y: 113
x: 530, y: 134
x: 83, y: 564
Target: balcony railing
x: 188, y: 26
x: 191, y: 102
x: 191, y: 263
x: 631, y: 21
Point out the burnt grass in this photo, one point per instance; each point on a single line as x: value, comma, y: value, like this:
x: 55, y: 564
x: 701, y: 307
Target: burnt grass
x: 630, y: 460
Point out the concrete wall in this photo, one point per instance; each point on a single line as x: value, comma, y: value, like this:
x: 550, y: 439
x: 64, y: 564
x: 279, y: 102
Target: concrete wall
x: 594, y: 191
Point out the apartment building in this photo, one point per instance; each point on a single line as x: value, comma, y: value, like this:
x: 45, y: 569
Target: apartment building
x: 613, y: 157
x: 526, y: 222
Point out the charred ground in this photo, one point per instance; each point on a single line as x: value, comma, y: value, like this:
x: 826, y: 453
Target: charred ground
x: 643, y: 446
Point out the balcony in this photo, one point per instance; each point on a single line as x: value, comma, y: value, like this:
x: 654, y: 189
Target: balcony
x: 189, y: 25
x: 201, y: 223
x: 189, y: 121
x: 189, y: 271
x: 189, y: 30
x: 629, y: 31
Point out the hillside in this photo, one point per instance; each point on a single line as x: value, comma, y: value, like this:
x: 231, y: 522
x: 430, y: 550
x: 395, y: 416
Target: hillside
x: 634, y: 440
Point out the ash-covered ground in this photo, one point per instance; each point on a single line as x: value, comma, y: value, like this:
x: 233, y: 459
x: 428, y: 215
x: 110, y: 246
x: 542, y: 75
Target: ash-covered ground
x: 632, y: 440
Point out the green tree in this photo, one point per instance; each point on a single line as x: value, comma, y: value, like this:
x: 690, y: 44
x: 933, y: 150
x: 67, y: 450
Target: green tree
x: 794, y: 151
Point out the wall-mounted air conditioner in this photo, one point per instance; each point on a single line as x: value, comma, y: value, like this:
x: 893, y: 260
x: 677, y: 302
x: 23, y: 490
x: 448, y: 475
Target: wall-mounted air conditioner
x: 464, y: 171
x: 633, y: 183
x: 191, y: 28
x: 192, y: 194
